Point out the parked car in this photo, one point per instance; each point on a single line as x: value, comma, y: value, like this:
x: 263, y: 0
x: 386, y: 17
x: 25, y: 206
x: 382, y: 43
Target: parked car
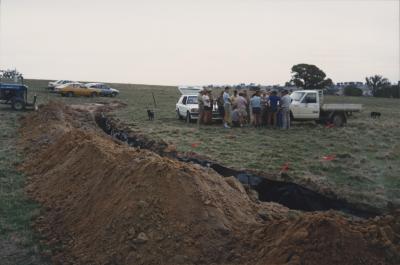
x: 309, y: 105
x: 77, y: 89
x: 187, y: 107
x: 106, y: 91
x: 54, y: 84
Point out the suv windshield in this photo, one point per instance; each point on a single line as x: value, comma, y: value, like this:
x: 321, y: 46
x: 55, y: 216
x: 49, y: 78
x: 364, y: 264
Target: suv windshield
x: 192, y: 100
x: 296, y: 96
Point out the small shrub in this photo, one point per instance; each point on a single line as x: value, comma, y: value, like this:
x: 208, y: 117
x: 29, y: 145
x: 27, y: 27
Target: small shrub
x: 353, y: 91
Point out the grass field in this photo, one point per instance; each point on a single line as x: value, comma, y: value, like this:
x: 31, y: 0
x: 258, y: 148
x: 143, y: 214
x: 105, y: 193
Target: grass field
x: 17, y: 242
x: 366, y: 168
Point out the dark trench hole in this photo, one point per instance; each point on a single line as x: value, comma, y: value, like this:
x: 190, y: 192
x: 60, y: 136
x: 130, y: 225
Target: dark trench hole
x: 289, y: 194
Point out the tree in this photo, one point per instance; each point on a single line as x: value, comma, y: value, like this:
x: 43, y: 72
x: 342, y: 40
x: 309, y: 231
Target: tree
x: 289, y: 84
x: 389, y: 91
x: 352, y: 90
x: 377, y: 83
x: 308, y: 76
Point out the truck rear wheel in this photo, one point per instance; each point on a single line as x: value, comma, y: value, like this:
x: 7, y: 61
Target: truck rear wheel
x: 18, y: 104
x: 338, y: 120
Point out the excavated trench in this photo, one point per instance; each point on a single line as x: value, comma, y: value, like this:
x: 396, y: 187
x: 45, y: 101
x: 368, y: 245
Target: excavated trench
x: 289, y: 194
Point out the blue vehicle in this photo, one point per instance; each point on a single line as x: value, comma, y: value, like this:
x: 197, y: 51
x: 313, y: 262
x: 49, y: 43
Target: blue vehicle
x: 16, y: 95
x: 105, y: 90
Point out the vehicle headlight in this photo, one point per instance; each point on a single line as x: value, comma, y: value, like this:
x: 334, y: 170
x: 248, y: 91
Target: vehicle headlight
x: 194, y: 110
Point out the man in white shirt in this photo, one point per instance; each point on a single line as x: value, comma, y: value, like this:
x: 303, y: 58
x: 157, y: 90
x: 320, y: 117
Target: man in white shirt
x: 227, y: 108
x: 207, y: 108
x: 285, y: 102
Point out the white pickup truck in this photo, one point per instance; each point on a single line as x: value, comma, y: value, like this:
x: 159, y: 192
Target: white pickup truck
x: 309, y: 105
x: 187, y: 107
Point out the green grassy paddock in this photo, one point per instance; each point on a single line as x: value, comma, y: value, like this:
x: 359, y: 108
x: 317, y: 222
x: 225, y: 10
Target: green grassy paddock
x: 18, y: 244
x: 366, y: 168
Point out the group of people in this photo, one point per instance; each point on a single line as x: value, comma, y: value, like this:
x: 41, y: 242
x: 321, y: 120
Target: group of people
x: 240, y: 109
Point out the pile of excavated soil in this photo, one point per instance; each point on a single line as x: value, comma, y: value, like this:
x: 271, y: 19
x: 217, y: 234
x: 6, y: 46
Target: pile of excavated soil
x: 107, y: 203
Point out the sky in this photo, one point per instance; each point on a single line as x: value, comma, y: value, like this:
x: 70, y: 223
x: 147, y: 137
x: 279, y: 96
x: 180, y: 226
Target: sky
x: 188, y: 42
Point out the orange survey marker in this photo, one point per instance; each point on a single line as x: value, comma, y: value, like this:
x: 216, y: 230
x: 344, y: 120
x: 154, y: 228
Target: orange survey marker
x: 329, y: 157
x: 194, y: 145
x: 285, y: 167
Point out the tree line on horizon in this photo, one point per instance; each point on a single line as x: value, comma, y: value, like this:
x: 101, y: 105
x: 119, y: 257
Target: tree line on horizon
x: 309, y: 76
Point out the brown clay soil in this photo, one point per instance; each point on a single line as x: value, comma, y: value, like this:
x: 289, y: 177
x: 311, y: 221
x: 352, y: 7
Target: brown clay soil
x: 107, y: 203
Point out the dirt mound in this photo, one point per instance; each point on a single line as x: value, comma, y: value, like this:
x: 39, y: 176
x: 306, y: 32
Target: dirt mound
x: 326, y: 238
x: 43, y: 127
x: 107, y: 203
x: 107, y: 195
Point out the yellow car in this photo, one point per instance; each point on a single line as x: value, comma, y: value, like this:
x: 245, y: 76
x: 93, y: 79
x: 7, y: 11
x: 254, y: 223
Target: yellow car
x: 77, y: 89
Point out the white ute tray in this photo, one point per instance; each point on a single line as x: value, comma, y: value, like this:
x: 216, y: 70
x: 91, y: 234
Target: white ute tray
x: 343, y: 107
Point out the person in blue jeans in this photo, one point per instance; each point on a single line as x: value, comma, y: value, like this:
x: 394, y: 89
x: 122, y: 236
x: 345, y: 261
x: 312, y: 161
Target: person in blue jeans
x: 255, y: 104
x: 273, y: 102
x: 279, y: 118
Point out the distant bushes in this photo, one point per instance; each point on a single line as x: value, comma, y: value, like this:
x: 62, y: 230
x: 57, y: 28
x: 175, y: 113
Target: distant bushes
x: 392, y: 91
x: 381, y: 87
x: 352, y: 91
x: 331, y: 91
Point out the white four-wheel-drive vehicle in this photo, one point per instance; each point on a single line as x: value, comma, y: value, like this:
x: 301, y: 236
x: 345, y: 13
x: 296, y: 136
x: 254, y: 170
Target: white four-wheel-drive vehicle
x: 187, y: 107
x: 309, y: 105
x: 54, y: 84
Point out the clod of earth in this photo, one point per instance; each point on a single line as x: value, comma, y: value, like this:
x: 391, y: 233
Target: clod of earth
x: 101, y: 195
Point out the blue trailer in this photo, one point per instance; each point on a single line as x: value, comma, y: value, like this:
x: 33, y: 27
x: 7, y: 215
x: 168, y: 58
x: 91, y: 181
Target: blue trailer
x: 16, y: 95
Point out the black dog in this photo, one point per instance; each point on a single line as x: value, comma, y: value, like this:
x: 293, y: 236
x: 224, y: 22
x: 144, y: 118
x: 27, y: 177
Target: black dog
x: 150, y: 115
x: 375, y: 115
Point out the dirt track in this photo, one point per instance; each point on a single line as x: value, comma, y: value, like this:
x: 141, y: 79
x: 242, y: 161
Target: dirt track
x: 107, y: 203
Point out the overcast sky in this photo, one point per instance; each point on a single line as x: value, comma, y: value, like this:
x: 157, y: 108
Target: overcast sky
x: 199, y: 42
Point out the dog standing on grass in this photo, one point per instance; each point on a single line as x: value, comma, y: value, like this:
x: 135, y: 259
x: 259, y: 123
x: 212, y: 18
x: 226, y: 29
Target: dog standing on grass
x: 150, y: 115
x: 375, y: 115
